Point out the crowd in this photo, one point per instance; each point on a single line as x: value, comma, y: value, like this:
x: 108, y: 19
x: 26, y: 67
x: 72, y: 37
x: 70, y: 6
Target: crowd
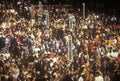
x: 32, y: 51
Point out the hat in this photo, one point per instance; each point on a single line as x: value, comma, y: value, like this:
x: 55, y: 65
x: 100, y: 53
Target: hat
x: 13, y: 60
x: 18, y: 3
x: 82, y: 73
x: 83, y: 66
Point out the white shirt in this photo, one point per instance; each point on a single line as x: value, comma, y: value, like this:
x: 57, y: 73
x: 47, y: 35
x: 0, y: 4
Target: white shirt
x: 7, y: 41
x: 81, y: 79
x: 99, y: 78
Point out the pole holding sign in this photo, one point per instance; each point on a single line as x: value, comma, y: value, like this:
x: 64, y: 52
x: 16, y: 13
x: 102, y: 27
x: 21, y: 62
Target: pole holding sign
x: 47, y: 20
x: 83, y: 10
x: 40, y: 7
x: 70, y: 52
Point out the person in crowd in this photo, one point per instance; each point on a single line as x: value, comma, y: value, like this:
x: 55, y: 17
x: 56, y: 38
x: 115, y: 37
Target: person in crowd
x: 30, y: 50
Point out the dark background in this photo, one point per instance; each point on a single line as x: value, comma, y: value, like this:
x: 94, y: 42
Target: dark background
x: 99, y: 6
x: 75, y: 3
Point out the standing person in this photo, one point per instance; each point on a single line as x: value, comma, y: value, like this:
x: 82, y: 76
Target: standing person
x: 67, y: 78
x: 81, y: 77
x: 107, y: 77
x: 98, y: 76
x: 116, y: 76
